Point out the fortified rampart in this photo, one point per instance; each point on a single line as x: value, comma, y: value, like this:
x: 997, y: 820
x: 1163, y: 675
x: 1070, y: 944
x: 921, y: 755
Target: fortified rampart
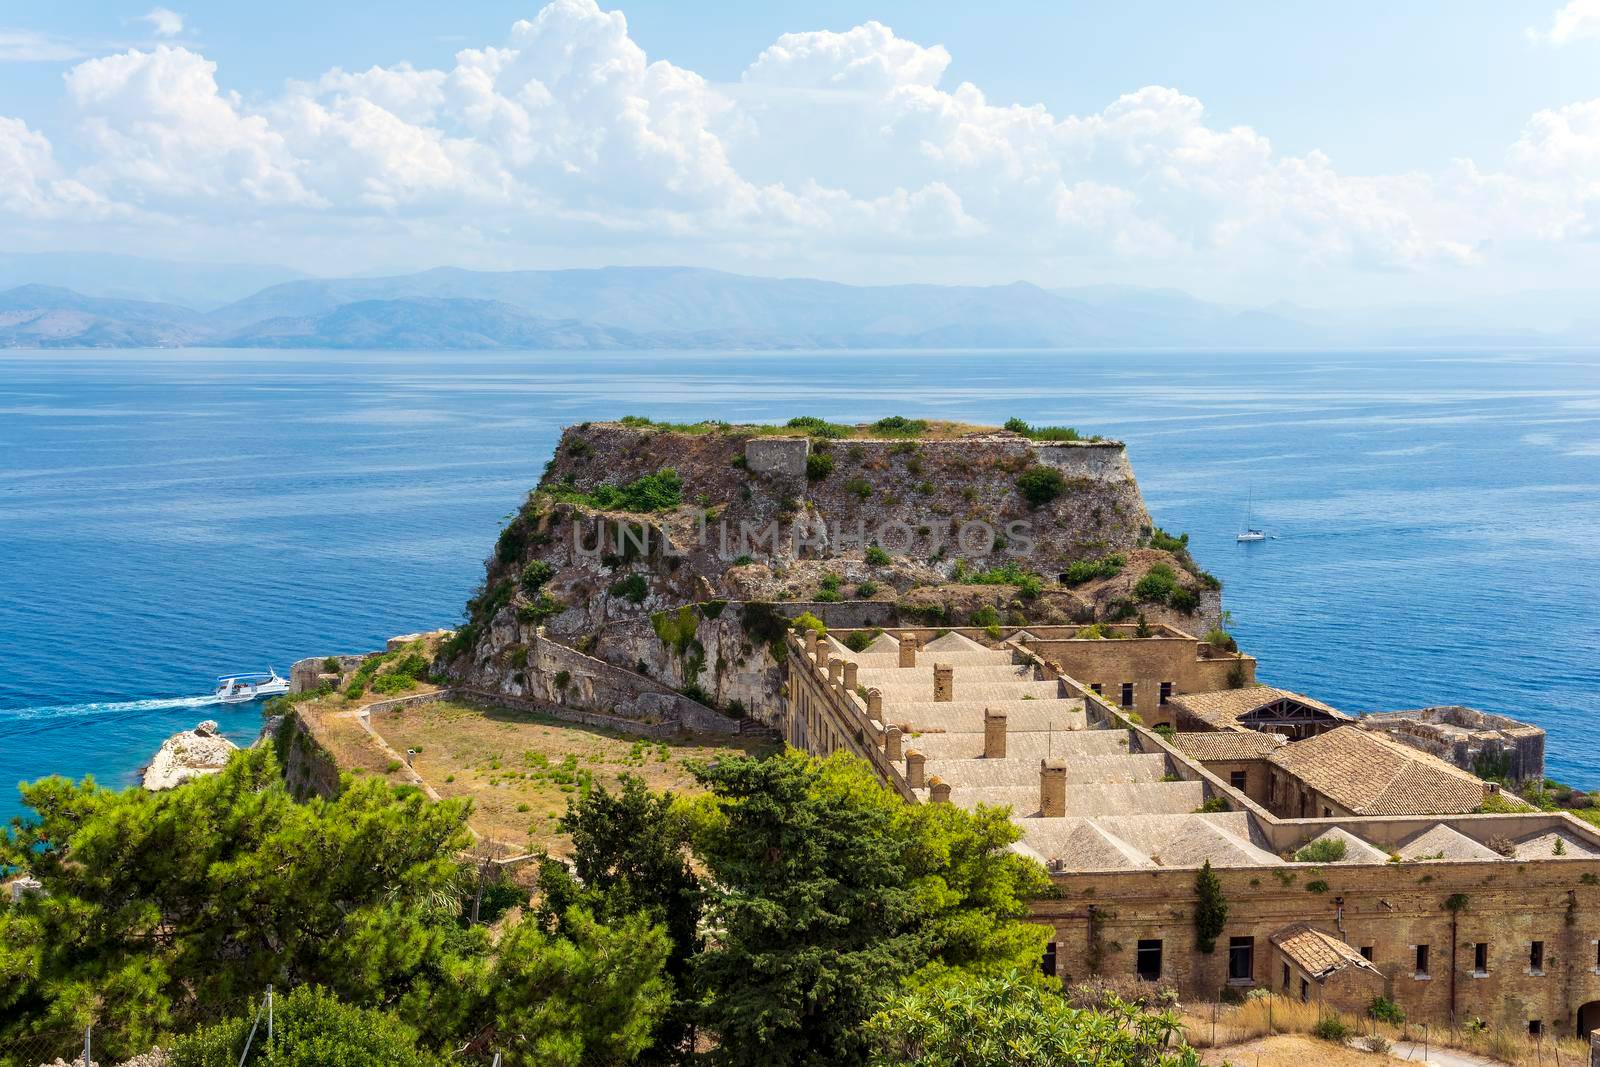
x: 776, y: 523
x: 1476, y: 741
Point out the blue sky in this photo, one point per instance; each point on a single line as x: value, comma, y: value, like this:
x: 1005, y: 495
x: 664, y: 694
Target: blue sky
x: 1350, y: 153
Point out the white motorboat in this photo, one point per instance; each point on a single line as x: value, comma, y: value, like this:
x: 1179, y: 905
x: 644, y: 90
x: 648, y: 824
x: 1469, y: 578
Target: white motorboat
x: 243, y: 688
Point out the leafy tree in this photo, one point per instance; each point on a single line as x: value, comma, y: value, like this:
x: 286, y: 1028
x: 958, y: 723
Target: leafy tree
x: 1210, y: 909
x: 218, y: 888
x: 311, y: 1028
x: 630, y: 855
x: 587, y: 996
x: 1014, y: 1021
x: 828, y: 892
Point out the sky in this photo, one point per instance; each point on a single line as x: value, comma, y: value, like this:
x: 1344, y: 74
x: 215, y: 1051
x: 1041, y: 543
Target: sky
x: 1348, y: 154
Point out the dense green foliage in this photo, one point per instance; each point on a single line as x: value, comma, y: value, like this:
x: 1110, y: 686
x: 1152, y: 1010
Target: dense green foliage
x: 876, y: 556
x: 245, y: 886
x: 630, y: 857
x: 818, y: 466
x: 799, y: 913
x: 1044, y: 433
x: 158, y: 907
x: 1088, y: 570
x: 1040, y: 484
x: 311, y: 1028
x: 829, y: 892
x: 1015, y: 1021
x: 1157, y: 583
x: 900, y: 426
x: 661, y: 491
x: 1029, y: 584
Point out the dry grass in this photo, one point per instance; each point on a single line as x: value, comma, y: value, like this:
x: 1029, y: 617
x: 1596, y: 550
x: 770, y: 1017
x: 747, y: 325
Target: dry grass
x: 519, y: 769
x: 1293, y: 1050
x: 1278, y: 1031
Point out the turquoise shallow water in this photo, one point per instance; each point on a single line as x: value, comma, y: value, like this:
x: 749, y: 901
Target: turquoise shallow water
x: 169, y: 516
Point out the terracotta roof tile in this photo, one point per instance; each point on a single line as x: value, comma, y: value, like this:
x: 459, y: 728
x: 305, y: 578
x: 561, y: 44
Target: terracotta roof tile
x: 1317, y: 953
x: 1368, y: 774
x: 1224, y: 707
x: 1226, y: 744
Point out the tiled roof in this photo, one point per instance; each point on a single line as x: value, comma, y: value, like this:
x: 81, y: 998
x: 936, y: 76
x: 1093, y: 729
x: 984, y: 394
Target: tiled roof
x: 1224, y: 707
x: 1368, y: 774
x: 1226, y: 744
x: 1317, y: 953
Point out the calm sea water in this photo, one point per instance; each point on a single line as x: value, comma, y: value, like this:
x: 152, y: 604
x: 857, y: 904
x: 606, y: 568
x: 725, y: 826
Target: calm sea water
x: 169, y: 516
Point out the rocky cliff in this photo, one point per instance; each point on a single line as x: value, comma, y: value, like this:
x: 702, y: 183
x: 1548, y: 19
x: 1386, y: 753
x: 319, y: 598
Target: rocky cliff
x: 680, y: 552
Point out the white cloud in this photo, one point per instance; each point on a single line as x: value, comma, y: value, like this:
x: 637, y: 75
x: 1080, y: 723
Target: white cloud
x: 1577, y: 20
x: 31, y: 183
x: 832, y: 151
x: 27, y: 46
x: 868, y: 58
x: 163, y: 22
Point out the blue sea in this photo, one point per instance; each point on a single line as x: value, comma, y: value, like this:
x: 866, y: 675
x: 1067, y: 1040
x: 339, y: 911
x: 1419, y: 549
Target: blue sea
x: 168, y: 516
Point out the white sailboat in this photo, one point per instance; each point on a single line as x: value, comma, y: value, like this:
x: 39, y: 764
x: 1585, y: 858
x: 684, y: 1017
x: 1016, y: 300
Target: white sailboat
x: 1250, y: 533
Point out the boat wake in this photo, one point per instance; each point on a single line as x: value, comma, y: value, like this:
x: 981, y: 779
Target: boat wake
x: 99, y: 708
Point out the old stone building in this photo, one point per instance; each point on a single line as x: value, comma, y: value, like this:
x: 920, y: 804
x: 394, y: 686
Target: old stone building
x: 1453, y: 916
x: 1490, y: 745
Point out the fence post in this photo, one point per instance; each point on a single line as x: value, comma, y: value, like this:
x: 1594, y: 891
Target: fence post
x: 269, y: 1020
x: 88, y: 1034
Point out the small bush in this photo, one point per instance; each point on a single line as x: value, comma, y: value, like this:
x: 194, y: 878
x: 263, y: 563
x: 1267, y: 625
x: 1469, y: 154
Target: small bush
x: 866, y: 588
x: 331, y: 665
x: 900, y: 426
x: 1087, y: 570
x: 807, y: 621
x: 311, y: 1028
x: 818, y: 466
x: 535, y: 574
x: 633, y: 587
x: 815, y: 427
x: 860, y: 487
x: 1217, y: 637
x: 1332, y: 1028
x: 1213, y: 805
x: 563, y: 679
x: 876, y: 557
x: 860, y: 639
x: 1374, y: 1043
x: 544, y: 607
x: 1386, y: 1011
x: 1039, y: 485
x: 1184, y: 599
x: 1157, y: 584
x: 1322, y: 850
x: 389, y: 684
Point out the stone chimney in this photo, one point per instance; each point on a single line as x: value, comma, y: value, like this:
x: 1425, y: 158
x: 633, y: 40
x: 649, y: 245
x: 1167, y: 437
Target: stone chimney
x: 944, y: 682
x: 1053, y: 787
x: 875, y: 704
x: 938, y: 790
x: 811, y: 642
x: 835, y: 671
x: 822, y: 657
x: 916, y: 766
x: 851, y: 668
x: 891, y: 743
x: 994, y: 734
x: 908, y: 650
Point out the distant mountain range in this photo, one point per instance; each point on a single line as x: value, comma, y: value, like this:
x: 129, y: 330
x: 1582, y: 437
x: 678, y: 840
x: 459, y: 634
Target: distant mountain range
x: 681, y: 307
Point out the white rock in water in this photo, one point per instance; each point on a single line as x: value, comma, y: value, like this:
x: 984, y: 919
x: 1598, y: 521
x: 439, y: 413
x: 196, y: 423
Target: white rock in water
x: 187, y: 755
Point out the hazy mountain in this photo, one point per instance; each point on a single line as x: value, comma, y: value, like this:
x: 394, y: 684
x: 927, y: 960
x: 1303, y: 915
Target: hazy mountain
x: 428, y: 323
x: 41, y: 316
x: 681, y: 307
x: 197, y: 285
